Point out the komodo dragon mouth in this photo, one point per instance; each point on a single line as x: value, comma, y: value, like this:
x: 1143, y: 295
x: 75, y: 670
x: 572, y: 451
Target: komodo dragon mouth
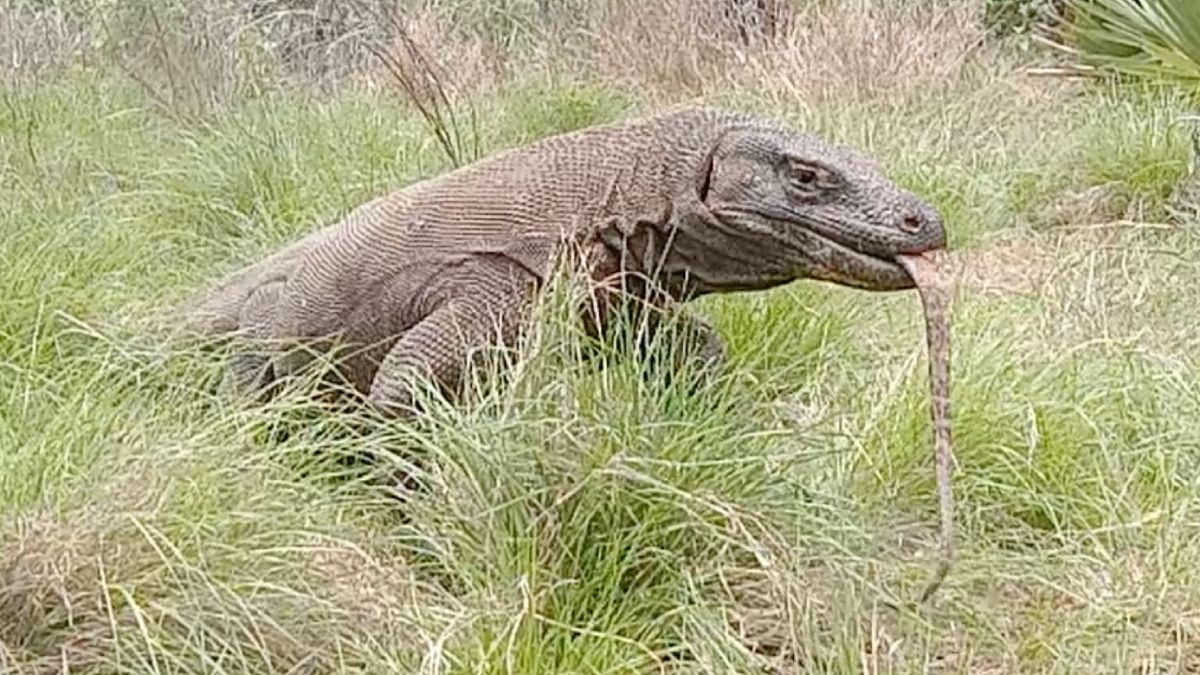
x: 857, y: 252
x: 853, y: 266
x: 859, y: 262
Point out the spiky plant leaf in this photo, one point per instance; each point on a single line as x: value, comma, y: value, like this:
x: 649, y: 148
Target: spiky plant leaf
x: 1144, y: 38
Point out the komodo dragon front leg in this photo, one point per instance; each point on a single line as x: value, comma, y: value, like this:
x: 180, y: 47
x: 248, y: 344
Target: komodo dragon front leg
x: 482, y: 307
x: 249, y: 371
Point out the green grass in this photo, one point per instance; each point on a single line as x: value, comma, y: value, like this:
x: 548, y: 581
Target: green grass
x: 581, y: 519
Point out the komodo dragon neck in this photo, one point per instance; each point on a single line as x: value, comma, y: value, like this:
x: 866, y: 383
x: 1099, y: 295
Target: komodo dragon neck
x: 628, y: 234
x: 615, y: 193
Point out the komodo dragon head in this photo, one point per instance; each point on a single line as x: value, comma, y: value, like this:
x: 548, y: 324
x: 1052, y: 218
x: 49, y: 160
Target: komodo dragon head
x: 774, y: 205
x: 768, y: 205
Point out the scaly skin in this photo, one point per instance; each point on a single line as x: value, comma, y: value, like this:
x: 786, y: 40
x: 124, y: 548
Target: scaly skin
x: 661, y: 209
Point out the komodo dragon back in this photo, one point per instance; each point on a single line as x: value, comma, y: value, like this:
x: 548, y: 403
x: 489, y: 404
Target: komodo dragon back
x: 518, y: 203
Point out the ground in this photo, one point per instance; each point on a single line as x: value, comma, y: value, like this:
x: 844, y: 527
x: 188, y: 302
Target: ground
x: 579, y: 519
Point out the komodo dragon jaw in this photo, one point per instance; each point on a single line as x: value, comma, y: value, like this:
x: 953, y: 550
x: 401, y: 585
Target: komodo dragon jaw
x: 775, y: 206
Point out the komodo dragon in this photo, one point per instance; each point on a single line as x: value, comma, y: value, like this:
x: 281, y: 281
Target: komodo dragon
x: 662, y: 209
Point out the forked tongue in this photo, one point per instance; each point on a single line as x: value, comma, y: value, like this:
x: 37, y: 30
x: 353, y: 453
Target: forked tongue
x: 927, y: 271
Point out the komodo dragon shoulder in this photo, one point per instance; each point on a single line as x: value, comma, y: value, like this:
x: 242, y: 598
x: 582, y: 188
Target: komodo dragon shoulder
x: 685, y: 203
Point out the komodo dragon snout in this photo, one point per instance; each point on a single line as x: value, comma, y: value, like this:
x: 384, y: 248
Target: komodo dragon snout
x: 782, y: 205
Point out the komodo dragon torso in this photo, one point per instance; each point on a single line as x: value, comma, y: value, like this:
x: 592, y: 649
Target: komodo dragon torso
x: 687, y: 202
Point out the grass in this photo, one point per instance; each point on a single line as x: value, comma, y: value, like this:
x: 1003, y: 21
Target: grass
x: 584, y: 519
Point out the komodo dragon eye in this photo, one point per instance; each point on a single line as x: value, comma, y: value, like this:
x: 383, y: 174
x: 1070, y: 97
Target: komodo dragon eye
x: 809, y: 178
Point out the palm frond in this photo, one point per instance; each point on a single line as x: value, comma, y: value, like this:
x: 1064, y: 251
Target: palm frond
x: 1158, y: 39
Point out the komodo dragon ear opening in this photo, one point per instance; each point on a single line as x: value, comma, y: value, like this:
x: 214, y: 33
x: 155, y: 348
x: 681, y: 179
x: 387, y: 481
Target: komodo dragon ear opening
x: 704, y: 175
